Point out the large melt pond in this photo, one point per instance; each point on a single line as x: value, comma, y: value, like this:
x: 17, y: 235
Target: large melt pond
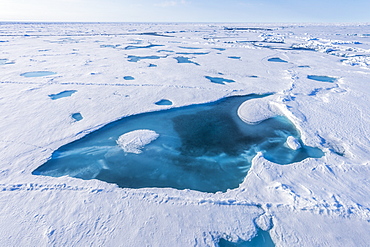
x: 204, y: 147
x: 262, y: 239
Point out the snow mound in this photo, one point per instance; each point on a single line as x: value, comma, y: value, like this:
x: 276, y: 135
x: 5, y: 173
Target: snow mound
x: 256, y: 110
x: 293, y: 143
x: 134, y: 141
x: 264, y: 222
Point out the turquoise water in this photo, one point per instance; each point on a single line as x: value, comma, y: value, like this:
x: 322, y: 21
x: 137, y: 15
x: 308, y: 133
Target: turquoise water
x: 262, y: 239
x: 185, y: 60
x: 321, y: 78
x: 38, y: 73
x: 77, y: 116
x: 128, y: 78
x: 164, y: 102
x: 137, y: 58
x: 276, y: 59
x: 63, y: 94
x: 201, y: 147
x: 233, y: 57
x: 219, y: 80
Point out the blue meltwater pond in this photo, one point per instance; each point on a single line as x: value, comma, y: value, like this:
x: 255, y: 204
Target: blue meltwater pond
x: 262, y: 239
x: 321, y: 78
x: 63, y: 94
x: 38, y: 73
x: 201, y: 147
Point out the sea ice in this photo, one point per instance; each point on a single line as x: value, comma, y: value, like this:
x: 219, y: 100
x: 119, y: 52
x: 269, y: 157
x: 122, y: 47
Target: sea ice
x: 132, y: 47
x: 257, y: 110
x: 293, y: 143
x: 203, y: 147
x: 135, y: 141
x: 122, y: 200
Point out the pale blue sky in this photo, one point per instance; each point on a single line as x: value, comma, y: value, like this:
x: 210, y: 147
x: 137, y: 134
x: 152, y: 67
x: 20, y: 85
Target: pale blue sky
x: 186, y: 10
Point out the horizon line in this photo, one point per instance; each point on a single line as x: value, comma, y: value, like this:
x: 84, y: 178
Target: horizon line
x: 182, y: 22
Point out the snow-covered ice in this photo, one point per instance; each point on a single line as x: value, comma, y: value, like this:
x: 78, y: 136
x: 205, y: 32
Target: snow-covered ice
x: 314, y: 202
x: 136, y: 140
x: 204, y: 147
x: 293, y: 143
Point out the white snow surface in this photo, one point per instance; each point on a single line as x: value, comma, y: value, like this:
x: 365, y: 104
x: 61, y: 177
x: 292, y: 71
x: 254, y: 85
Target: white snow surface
x: 256, y: 110
x: 316, y: 202
x: 293, y: 143
x: 134, y: 141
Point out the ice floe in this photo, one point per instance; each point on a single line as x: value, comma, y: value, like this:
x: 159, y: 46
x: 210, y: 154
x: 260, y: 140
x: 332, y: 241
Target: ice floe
x: 287, y: 201
x: 135, y: 141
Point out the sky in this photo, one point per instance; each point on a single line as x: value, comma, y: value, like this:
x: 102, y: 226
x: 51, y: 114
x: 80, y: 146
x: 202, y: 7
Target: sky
x: 185, y: 10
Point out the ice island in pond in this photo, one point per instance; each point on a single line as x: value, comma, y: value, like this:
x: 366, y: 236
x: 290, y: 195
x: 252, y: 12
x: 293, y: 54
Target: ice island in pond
x: 184, y: 134
x: 134, y: 141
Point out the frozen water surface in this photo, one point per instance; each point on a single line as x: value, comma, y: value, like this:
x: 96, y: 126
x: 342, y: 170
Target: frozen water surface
x: 63, y: 94
x: 202, y: 147
x: 38, y: 73
x: 262, y: 239
x: 321, y: 78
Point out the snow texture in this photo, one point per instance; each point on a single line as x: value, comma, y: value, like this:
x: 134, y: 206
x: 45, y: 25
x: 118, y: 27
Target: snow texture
x: 293, y: 143
x: 256, y: 110
x: 315, y: 202
x: 134, y: 141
